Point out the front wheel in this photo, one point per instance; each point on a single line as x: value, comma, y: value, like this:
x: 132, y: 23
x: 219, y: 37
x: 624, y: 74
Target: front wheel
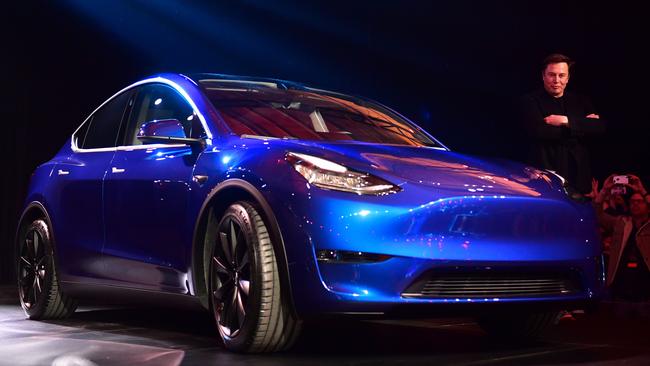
x: 244, y: 285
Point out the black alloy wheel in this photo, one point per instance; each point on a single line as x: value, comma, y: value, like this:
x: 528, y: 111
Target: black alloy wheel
x: 38, y: 286
x: 32, y: 268
x: 231, y: 273
x: 244, y: 286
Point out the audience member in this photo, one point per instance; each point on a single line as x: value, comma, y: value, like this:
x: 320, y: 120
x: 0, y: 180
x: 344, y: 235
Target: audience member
x: 628, y: 273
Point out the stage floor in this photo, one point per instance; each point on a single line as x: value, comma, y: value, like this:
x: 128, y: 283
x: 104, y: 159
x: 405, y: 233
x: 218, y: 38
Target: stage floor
x: 616, y: 334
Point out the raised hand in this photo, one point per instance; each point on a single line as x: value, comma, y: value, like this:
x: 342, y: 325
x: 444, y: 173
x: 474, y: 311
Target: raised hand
x: 594, y: 189
x: 636, y: 185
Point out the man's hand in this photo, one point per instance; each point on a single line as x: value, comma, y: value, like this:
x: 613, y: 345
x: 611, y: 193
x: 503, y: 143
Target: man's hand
x: 556, y: 120
x: 593, y: 115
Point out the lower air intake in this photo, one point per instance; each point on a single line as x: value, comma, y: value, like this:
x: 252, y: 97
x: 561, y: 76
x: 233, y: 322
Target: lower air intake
x: 493, y: 285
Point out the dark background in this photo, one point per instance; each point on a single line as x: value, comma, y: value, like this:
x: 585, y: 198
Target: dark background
x: 455, y: 68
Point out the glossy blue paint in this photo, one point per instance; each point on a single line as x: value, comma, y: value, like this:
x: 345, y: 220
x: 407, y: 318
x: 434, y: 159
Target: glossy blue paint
x: 126, y: 216
x: 149, y: 188
x: 74, y: 193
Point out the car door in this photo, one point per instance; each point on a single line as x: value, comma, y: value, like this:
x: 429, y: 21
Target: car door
x: 146, y: 196
x: 78, y: 224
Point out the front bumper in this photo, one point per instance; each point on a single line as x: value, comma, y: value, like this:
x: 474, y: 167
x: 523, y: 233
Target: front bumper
x: 476, y: 235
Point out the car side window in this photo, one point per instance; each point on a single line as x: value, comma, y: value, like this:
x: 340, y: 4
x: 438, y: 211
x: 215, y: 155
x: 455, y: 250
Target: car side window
x: 158, y: 102
x: 101, y: 129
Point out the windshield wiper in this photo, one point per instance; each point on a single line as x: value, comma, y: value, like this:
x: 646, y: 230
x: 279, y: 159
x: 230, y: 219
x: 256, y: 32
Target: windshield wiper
x: 259, y: 137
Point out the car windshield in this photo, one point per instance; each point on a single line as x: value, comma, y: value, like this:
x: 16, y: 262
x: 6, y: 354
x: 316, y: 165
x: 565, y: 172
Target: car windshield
x: 266, y: 109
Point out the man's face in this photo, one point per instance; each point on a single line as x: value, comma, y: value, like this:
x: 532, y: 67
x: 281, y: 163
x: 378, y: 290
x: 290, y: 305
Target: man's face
x: 638, y: 205
x: 556, y: 77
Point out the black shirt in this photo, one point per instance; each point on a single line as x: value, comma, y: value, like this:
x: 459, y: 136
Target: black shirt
x: 560, y: 148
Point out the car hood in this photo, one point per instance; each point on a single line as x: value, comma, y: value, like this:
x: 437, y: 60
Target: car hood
x: 435, y: 168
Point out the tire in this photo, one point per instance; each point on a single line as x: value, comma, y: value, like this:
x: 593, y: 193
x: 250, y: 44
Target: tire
x: 38, y: 286
x: 244, y: 285
x: 519, y: 327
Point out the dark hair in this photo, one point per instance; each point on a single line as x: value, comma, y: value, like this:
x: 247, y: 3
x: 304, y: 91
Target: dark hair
x: 556, y: 58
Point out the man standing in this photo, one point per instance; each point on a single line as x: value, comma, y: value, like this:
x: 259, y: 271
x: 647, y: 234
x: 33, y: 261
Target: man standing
x: 558, y: 122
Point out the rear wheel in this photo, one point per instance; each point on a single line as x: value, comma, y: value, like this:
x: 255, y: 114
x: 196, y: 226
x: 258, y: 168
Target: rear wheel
x: 38, y: 286
x: 521, y: 327
x: 244, y: 285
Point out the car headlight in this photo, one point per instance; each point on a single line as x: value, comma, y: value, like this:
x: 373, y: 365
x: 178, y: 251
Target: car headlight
x: 329, y: 175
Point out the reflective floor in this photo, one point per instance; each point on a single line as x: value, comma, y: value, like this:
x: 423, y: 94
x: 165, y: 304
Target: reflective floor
x: 616, y: 334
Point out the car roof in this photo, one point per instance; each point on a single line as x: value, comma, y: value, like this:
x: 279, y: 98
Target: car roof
x: 261, y: 81
x: 272, y: 83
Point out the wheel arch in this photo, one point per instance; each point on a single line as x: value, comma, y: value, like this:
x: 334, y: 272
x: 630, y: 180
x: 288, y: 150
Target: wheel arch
x: 214, y: 206
x: 34, y: 210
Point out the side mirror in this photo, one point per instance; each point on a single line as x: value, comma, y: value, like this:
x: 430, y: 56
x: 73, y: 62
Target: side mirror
x: 165, y: 131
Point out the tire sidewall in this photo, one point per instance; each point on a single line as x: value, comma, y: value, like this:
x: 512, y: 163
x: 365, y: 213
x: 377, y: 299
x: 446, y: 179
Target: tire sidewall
x: 43, y: 230
x: 242, y: 213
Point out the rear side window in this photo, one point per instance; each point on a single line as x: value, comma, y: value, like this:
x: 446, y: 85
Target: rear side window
x: 104, y: 124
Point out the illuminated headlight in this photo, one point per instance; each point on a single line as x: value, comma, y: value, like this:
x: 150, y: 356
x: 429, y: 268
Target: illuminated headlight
x: 329, y: 175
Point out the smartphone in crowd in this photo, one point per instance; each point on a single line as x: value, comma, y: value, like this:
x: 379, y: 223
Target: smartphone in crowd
x: 621, y: 179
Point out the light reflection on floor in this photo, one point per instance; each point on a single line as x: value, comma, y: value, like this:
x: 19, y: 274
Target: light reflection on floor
x: 104, y: 336
x: 60, y: 351
x: 66, y: 343
x: 80, y: 341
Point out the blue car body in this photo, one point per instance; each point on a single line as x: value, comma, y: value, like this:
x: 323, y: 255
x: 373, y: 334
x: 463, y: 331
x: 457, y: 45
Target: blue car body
x: 132, y: 218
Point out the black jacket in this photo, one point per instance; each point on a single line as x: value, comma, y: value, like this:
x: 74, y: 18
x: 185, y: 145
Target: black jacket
x: 560, y: 148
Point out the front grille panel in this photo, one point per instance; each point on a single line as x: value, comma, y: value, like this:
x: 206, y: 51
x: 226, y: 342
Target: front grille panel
x: 492, y: 285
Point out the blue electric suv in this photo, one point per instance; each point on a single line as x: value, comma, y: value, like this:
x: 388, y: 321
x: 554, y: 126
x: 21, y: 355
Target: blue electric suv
x: 271, y: 203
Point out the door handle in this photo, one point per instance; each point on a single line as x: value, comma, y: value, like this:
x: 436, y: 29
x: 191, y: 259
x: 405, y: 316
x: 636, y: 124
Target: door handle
x: 117, y: 170
x: 200, y: 179
x: 63, y: 172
